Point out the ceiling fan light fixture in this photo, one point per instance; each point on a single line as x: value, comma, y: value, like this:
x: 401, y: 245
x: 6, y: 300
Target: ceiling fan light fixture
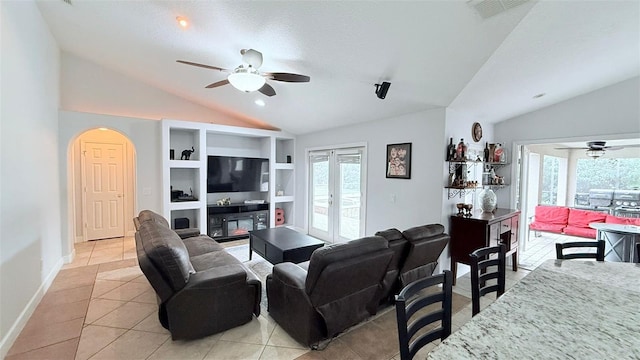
x: 246, y: 79
x: 595, y: 153
x: 182, y: 21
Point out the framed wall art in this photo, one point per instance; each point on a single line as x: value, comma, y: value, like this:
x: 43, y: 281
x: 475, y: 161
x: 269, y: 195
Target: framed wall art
x: 399, y: 161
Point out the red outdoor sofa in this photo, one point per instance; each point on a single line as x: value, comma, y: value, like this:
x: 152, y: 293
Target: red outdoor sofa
x: 575, y: 222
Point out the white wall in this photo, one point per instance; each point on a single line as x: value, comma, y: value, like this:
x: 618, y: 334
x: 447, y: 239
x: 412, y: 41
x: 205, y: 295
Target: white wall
x: 418, y: 200
x: 603, y: 114
x: 30, y: 246
x: 146, y: 138
x: 88, y: 87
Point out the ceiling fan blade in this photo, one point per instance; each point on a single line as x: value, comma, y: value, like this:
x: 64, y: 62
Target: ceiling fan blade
x: 287, y: 77
x: 216, y: 84
x: 267, y: 90
x: 201, y: 65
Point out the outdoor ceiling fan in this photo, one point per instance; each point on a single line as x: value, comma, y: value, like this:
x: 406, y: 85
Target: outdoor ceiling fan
x: 247, y: 78
x: 595, y: 149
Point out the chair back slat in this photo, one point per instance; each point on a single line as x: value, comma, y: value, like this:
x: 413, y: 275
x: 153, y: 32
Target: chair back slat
x: 411, y: 300
x: 598, y: 254
x: 481, y: 260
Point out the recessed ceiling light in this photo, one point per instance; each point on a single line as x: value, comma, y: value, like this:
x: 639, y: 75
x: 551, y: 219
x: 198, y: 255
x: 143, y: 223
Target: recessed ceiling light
x: 539, y: 95
x: 260, y: 102
x: 182, y: 21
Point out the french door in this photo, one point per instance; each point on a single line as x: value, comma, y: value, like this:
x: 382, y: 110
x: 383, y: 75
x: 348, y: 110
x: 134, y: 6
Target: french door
x: 337, y: 189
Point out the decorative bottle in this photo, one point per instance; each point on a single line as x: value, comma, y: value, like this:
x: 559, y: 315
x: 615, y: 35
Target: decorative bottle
x: 461, y: 151
x: 498, y: 153
x: 486, y: 152
x: 451, y: 150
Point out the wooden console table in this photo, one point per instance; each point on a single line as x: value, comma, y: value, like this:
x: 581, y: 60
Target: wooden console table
x: 481, y: 230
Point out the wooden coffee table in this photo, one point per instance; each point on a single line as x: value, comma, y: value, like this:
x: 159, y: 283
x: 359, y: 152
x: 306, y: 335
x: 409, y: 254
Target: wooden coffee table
x: 282, y: 244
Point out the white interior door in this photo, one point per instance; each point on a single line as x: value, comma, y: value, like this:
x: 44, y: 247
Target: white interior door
x: 103, y: 182
x: 337, y: 194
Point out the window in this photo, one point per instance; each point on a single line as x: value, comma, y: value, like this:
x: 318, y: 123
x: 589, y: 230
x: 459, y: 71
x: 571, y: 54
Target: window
x: 607, y: 173
x: 554, y: 181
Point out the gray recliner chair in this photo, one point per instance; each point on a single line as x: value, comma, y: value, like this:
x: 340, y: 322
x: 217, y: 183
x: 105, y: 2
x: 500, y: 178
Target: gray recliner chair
x: 201, y: 288
x: 416, y: 252
x: 148, y: 215
x: 339, y: 289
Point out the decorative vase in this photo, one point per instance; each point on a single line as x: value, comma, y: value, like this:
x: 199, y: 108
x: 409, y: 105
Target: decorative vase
x: 487, y: 200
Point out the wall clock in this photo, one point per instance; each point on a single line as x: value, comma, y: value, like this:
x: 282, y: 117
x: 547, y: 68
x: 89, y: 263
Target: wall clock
x: 476, y: 131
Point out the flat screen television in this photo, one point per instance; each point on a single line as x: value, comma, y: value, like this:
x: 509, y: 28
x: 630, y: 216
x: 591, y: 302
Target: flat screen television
x: 235, y: 174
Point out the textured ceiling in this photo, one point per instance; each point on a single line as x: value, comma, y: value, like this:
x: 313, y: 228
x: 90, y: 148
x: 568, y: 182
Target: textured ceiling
x: 434, y: 53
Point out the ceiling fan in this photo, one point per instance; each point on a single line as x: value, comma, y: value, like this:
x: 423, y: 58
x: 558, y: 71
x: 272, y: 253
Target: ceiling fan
x: 595, y: 149
x: 247, y: 78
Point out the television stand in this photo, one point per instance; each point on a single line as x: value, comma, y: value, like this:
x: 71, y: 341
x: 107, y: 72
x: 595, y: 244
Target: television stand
x: 234, y: 221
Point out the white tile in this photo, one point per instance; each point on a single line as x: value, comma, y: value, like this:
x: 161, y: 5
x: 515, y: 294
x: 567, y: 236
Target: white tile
x: 257, y: 331
x: 151, y: 324
x: 127, y: 316
x: 281, y: 353
x: 279, y: 337
x: 132, y: 345
x: 185, y: 350
x: 229, y: 350
x: 94, y: 339
x: 123, y: 274
x: 126, y: 292
x: 101, y: 307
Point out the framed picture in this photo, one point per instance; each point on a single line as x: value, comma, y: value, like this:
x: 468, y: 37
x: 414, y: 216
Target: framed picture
x: 399, y: 161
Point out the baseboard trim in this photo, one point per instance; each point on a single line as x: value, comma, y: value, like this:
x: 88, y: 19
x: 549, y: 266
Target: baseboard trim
x: 11, y: 336
x: 67, y: 259
x: 79, y: 239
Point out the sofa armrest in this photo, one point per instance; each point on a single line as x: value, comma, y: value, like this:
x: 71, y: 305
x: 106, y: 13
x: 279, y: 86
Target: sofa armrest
x: 187, y: 233
x: 218, y: 277
x: 290, y: 275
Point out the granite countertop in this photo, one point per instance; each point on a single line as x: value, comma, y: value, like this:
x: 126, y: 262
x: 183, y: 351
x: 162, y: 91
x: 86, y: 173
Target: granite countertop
x: 569, y: 309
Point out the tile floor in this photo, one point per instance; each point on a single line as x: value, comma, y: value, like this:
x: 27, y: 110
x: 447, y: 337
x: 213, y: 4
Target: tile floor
x: 543, y: 247
x: 102, y: 307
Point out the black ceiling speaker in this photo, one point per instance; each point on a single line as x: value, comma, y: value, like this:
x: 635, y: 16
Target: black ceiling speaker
x: 381, y: 89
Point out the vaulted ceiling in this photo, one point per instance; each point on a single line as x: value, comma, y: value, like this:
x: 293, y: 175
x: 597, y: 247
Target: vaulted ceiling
x: 474, y: 57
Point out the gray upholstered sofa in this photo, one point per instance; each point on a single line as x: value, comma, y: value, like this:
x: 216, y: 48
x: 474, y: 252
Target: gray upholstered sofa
x: 343, y: 284
x: 201, y: 289
x: 337, y: 288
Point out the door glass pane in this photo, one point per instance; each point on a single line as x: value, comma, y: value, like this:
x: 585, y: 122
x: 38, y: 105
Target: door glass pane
x: 350, y: 195
x: 320, y: 193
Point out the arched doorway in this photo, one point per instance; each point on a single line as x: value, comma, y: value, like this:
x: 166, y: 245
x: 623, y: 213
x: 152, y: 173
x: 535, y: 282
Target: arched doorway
x: 101, y: 185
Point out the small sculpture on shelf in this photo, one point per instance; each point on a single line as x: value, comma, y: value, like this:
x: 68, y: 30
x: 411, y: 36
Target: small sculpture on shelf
x: 186, y: 154
x: 224, y: 202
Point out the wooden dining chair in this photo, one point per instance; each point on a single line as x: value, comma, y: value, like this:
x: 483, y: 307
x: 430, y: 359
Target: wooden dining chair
x: 598, y: 245
x: 481, y: 261
x: 409, y: 303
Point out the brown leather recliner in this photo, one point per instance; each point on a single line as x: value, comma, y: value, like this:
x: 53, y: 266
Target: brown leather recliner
x: 148, y: 215
x: 201, y: 288
x: 416, y: 252
x: 339, y: 289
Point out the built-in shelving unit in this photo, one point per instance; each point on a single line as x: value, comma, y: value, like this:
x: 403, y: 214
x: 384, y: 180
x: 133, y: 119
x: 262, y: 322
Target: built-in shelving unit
x: 283, y: 196
x: 189, y: 176
x: 461, y: 166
